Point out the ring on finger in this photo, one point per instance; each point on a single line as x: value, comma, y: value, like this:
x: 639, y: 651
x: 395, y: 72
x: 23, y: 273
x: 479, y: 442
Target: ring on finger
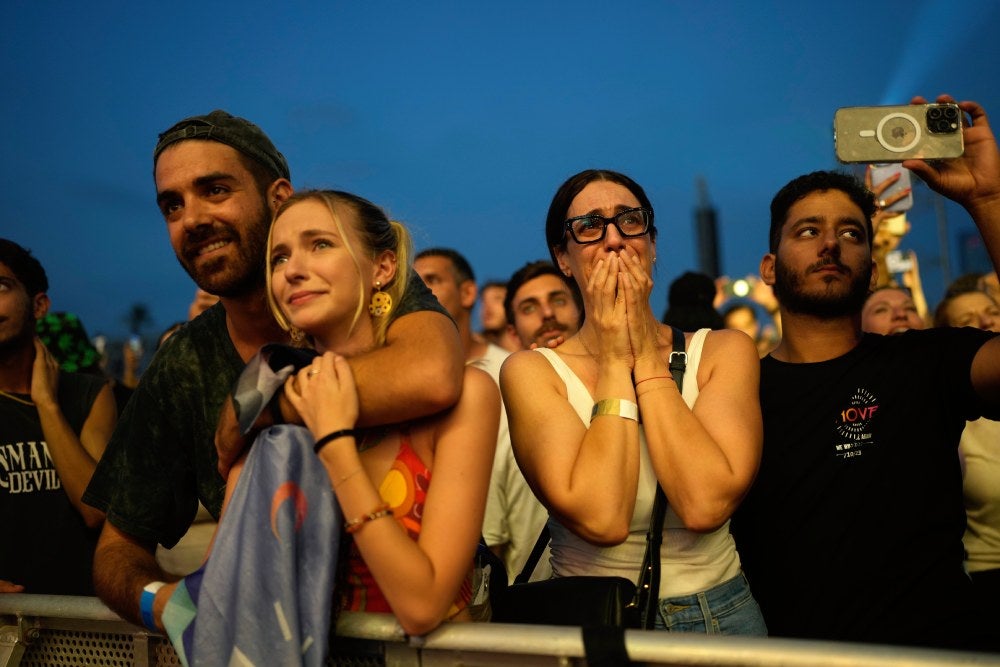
x: 311, y: 372
x: 881, y: 203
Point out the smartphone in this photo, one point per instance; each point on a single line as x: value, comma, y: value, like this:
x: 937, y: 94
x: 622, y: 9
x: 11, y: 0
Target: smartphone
x: 897, y: 133
x: 898, y: 261
x: 883, y: 172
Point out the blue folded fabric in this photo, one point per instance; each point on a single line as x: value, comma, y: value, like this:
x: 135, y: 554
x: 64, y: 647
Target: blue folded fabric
x: 264, y: 597
x: 262, y: 377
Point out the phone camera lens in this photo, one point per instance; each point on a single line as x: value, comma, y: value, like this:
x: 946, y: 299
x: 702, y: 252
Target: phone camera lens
x: 942, y: 119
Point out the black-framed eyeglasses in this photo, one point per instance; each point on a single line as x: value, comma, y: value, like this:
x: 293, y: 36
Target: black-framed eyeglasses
x: 592, y: 228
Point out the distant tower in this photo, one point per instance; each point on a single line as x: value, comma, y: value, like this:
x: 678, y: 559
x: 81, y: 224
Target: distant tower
x: 706, y: 234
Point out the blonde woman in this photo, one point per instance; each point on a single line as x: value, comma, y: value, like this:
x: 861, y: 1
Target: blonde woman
x: 413, y: 496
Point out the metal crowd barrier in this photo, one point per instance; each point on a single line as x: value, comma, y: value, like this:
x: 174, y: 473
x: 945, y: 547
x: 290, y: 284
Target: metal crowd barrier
x: 43, y: 630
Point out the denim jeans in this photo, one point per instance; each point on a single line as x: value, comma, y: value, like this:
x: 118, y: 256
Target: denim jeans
x: 727, y: 609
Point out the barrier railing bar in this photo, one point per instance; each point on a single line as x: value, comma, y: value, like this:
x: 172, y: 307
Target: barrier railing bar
x: 493, y: 643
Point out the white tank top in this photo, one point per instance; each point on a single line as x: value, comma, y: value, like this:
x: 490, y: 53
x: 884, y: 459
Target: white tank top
x: 689, y: 562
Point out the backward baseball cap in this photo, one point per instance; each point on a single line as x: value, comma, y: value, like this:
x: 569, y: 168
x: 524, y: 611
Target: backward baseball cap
x: 231, y: 130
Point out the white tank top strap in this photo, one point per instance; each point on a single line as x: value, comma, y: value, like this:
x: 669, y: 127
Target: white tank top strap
x: 694, y: 348
x: 576, y: 390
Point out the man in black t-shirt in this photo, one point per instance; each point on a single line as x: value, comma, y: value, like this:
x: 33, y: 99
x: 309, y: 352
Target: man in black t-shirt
x: 853, y: 528
x: 53, y: 429
x: 218, y: 181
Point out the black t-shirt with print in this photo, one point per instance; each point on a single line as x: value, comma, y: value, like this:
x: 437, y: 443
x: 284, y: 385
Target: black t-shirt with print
x: 46, y: 546
x: 853, y: 527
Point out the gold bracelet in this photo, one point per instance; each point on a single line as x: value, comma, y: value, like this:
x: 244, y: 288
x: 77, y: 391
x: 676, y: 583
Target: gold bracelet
x: 347, y: 477
x: 354, y: 525
x: 618, y: 407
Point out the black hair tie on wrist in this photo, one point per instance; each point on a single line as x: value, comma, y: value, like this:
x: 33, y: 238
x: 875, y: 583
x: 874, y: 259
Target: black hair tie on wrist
x: 330, y: 437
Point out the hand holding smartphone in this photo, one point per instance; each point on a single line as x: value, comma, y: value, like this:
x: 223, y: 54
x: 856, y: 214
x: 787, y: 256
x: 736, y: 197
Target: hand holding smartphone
x: 897, y: 133
x: 880, y: 174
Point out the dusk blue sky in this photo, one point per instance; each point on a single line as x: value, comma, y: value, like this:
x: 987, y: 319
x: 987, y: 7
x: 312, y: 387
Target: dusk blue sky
x: 460, y: 118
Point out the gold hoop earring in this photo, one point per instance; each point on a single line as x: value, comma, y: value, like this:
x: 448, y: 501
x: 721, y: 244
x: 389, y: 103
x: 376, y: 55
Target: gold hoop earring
x: 381, y: 303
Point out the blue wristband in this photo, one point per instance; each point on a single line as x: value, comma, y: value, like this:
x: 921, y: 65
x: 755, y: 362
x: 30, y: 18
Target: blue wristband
x: 146, y: 604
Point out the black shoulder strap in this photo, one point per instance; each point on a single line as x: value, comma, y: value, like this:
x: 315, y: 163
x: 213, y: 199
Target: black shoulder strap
x: 678, y: 358
x: 536, y: 554
x: 648, y: 587
x: 649, y: 574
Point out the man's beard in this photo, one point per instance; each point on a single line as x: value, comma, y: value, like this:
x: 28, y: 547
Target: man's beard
x: 827, y: 304
x: 226, y: 277
x: 16, y: 342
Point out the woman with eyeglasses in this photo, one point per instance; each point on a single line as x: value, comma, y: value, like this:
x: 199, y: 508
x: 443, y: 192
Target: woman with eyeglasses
x: 598, y: 421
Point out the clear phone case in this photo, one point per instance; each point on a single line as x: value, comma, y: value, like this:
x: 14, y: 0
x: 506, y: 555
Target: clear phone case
x: 897, y: 133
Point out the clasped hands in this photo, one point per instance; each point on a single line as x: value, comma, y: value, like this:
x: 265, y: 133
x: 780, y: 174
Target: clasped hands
x: 618, y: 289
x: 321, y: 393
x: 324, y: 394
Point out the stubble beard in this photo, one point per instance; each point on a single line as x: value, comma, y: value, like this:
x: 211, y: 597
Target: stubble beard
x: 788, y: 289
x: 21, y: 340
x: 229, y: 278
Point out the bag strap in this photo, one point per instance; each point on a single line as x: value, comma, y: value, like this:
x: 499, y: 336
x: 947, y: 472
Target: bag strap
x: 534, y: 556
x: 648, y: 587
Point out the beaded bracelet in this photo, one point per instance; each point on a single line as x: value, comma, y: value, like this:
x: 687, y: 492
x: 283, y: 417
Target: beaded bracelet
x: 330, y: 437
x: 354, y: 525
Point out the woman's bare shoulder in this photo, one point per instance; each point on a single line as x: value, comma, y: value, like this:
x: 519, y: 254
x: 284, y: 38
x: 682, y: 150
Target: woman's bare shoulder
x: 733, y: 354
x: 478, y: 382
x: 526, y: 362
x: 729, y: 341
